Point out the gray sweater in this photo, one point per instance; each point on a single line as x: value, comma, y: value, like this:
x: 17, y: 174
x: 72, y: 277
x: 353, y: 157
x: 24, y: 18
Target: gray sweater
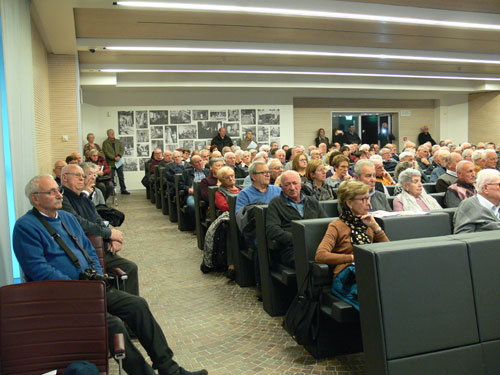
x: 472, y: 216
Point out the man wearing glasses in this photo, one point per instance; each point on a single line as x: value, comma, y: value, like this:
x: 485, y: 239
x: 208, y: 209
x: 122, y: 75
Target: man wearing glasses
x: 42, y: 258
x: 76, y: 203
x: 58, y: 166
x: 480, y: 212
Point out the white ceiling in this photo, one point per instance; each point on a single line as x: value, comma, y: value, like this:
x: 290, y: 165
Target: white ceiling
x: 83, y: 25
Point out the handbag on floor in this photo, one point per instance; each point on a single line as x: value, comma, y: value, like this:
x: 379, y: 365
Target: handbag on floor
x: 302, y: 318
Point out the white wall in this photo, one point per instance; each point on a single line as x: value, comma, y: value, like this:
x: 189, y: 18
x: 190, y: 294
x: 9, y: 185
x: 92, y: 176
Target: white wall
x: 97, y: 119
x: 452, y: 118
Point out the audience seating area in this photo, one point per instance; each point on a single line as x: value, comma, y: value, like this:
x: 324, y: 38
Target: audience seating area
x: 424, y: 304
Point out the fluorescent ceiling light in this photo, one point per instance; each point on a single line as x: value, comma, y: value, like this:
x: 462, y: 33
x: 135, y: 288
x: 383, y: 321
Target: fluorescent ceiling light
x: 286, y: 72
x: 301, y: 53
x: 305, y: 13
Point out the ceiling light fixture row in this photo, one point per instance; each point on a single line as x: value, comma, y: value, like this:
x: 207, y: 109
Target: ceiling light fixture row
x: 301, y: 53
x: 305, y: 13
x: 291, y: 72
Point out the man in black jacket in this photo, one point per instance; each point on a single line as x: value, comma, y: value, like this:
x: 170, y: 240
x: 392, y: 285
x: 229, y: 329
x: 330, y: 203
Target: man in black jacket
x: 290, y: 205
x: 173, y: 168
x: 83, y: 209
x: 222, y: 140
x: 425, y: 136
x: 351, y: 136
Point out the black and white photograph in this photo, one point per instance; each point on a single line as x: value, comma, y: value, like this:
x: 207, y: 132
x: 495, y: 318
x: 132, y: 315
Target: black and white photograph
x: 187, y: 145
x: 233, y: 115
x: 129, y: 164
x: 143, y: 149
x: 263, y: 134
x: 158, y: 117
x: 171, y: 134
x: 244, y: 130
x: 208, y: 129
x: 125, y: 122
x: 157, y: 143
x: 187, y: 132
x: 248, y: 117
x: 141, y: 119
x: 218, y: 115
x: 275, y: 131
x: 142, y: 163
x: 180, y: 116
x: 269, y: 116
x: 200, y: 145
x: 128, y: 145
x: 142, y: 136
x: 200, y: 114
x: 232, y: 129
x: 157, y: 132
x: 171, y: 147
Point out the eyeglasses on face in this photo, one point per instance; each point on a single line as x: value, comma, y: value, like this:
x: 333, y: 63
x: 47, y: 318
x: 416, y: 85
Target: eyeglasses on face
x: 52, y: 192
x: 263, y: 172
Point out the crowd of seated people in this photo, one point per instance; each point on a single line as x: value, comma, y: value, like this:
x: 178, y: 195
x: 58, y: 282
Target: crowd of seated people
x: 292, y: 182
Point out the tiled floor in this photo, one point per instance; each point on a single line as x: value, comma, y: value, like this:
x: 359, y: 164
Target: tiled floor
x: 208, y: 321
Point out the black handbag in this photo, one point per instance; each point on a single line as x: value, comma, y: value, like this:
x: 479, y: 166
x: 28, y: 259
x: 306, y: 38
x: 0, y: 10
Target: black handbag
x: 302, y: 318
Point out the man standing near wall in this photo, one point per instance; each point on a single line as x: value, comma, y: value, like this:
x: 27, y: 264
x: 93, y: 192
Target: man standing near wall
x: 113, y: 150
x: 222, y: 140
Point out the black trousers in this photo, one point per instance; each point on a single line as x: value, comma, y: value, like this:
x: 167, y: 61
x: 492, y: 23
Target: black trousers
x: 116, y: 261
x: 121, y: 178
x: 106, y: 188
x: 133, y: 310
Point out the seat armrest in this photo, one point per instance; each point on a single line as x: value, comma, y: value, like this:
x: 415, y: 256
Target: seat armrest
x: 320, y: 273
x: 120, y: 273
x: 119, y: 346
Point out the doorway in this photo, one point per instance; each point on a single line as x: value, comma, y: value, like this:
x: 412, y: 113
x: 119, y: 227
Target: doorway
x: 367, y: 125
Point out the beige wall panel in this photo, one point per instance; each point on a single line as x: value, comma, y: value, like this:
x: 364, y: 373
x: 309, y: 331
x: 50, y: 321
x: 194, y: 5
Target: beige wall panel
x: 63, y: 105
x: 312, y: 114
x: 484, y: 117
x: 41, y: 103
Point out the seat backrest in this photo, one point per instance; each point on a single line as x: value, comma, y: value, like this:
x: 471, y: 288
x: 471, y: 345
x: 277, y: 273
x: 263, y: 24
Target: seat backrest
x: 98, y: 244
x: 429, y: 187
x: 46, y: 325
x: 307, y: 235
x: 330, y: 207
x: 439, y: 197
x: 211, y: 202
x: 147, y: 167
x: 390, y: 189
x: 418, y: 226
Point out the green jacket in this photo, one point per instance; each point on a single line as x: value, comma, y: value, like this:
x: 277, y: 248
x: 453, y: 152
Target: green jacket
x: 110, y: 152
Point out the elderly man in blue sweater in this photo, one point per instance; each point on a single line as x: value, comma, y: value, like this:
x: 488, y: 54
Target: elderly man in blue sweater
x: 42, y: 258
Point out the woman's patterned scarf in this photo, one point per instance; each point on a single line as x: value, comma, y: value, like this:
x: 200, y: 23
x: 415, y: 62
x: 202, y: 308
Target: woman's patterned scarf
x: 358, y: 229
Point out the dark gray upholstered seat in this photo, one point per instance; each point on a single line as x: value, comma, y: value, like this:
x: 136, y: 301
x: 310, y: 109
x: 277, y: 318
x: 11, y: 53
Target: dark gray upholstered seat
x: 243, y: 266
x: 214, y: 211
x: 430, y: 187
x: 157, y: 185
x: 147, y: 173
x: 278, y: 282
x: 390, y: 189
x: 418, y: 226
x: 171, y: 202
x: 200, y: 207
x: 184, y: 222
x: 330, y: 207
x: 163, y: 190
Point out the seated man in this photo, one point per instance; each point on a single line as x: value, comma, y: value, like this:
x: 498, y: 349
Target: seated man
x: 157, y: 159
x: 450, y: 177
x: 364, y: 171
x: 388, y: 161
x: 174, y: 168
x: 230, y: 161
x: 92, y: 223
x: 478, y: 158
x: 381, y: 174
x: 480, y: 212
x: 194, y: 173
x: 421, y: 157
x: 440, y: 169
x: 42, y: 258
x: 211, y: 180
x: 290, y: 205
x: 464, y: 187
x: 58, y: 166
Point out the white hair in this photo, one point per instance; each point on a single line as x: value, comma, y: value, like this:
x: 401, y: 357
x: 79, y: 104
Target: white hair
x: 261, y: 154
x: 405, y: 177
x: 484, y: 176
x: 289, y: 172
x: 33, y: 185
x: 358, y: 167
x: 405, y: 154
x: 376, y: 158
x: 364, y: 147
x: 239, y: 153
x: 477, y: 155
x: 264, y: 148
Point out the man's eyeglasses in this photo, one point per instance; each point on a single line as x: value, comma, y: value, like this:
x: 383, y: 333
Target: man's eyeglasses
x: 263, y: 172
x: 52, y: 192
x: 497, y: 184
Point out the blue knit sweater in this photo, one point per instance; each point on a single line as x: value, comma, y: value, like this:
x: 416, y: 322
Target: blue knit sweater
x: 39, y: 255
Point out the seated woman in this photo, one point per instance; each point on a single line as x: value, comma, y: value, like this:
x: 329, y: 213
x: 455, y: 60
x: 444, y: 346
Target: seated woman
x: 103, y: 182
x: 413, y: 197
x: 353, y: 227
x: 299, y: 164
x: 227, y: 186
x: 341, y: 167
x: 317, y: 185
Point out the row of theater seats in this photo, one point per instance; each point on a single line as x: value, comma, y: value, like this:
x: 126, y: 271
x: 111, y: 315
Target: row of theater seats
x: 342, y: 329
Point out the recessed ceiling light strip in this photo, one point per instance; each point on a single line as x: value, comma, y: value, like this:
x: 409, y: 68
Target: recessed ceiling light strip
x: 305, y: 13
x: 300, y: 53
x: 285, y: 72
